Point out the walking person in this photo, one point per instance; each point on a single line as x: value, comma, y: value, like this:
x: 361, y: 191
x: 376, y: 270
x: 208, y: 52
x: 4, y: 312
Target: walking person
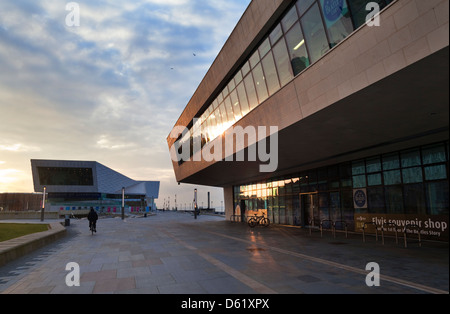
x: 93, y: 217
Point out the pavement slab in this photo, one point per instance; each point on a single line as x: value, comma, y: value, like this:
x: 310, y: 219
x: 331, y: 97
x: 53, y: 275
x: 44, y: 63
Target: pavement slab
x: 173, y: 253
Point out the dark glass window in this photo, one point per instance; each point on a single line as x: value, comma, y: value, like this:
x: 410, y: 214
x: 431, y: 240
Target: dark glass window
x: 394, y: 199
x: 376, y: 200
x: 218, y: 117
x: 238, y: 77
x: 281, y: 57
x: 345, y: 170
x: 264, y: 48
x: 271, y: 75
x: 373, y: 165
x: 236, y: 107
x: 359, y: 181
x: 374, y: 179
x: 260, y: 83
x: 437, y: 197
x: 276, y: 34
x: 315, y: 33
x: 412, y: 175
x: 411, y: 158
x: 231, y: 85
x: 347, y: 205
x: 337, y: 20
x: 322, y: 174
x: 438, y: 172
x: 49, y: 176
x: 303, y: 6
x: 434, y: 154
x: 282, y: 206
x: 358, y: 167
x: 251, y: 92
x: 335, y: 206
x: 391, y: 161
x: 254, y: 59
x: 333, y: 172
x: 223, y: 114
x: 245, y: 68
x: 243, y: 98
x: 290, y: 18
x: 229, y: 109
x: 392, y: 177
x: 297, y: 49
x: 414, y: 199
x: 324, y: 208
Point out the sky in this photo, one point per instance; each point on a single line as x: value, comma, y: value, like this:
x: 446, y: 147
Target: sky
x: 109, y: 88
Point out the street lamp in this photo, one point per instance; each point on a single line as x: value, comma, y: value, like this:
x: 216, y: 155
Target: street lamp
x: 195, y: 203
x: 123, y: 203
x: 43, y: 204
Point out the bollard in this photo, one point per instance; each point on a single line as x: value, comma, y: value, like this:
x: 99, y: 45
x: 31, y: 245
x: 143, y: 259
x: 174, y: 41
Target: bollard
x: 67, y: 221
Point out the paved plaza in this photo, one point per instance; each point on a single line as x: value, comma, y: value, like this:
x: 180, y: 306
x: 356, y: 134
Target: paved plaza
x: 172, y: 253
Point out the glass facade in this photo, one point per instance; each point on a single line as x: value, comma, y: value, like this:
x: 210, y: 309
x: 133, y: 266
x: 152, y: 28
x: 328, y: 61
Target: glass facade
x: 414, y: 181
x: 65, y: 176
x: 307, y: 31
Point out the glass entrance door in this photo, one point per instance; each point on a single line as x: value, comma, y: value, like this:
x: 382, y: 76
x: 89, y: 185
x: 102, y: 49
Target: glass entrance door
x: 309, y: 209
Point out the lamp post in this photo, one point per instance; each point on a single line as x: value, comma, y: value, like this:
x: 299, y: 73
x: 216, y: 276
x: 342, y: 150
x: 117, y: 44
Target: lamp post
x: 43, y: 204
x: 123, y: 203
x: 195, y: 203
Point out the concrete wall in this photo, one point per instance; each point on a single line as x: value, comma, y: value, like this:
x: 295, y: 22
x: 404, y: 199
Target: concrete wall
x: 16, y: 248
x: 27, y: 215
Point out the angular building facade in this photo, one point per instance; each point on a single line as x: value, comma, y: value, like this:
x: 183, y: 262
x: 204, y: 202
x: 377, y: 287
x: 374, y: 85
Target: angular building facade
x: 79, y: 185
x: 347, y: 109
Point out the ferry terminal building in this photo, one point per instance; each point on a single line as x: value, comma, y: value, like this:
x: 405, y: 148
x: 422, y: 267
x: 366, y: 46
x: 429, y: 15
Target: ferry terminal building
x: 362, y: 114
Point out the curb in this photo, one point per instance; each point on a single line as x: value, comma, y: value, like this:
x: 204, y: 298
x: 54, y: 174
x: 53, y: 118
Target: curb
x: 16, y: 248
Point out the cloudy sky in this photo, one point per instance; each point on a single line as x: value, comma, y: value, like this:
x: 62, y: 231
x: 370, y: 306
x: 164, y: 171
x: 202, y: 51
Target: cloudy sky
x: 108, y: 90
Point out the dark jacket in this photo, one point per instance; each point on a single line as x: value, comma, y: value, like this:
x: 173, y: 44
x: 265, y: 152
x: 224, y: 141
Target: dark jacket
x: 92, y: 215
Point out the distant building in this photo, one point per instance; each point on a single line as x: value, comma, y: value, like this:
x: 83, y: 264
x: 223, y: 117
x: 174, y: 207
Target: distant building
x: 20, y: 202
x: 80, y: 185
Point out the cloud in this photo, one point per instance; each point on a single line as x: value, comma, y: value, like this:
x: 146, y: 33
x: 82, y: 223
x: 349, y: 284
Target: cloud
x: 19, y: 148
x: 105, y: 90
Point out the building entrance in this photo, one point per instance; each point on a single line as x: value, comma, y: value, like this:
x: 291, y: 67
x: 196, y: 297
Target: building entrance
x: 309, y: 209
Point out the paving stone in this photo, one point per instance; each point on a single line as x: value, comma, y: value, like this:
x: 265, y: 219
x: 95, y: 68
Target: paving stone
x: 171, y: 253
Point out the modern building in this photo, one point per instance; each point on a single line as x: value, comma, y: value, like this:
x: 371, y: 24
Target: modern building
x: 80, y: 185
x: 353, y: 105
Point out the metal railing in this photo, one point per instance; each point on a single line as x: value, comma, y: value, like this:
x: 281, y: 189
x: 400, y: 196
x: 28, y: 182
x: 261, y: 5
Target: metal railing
x: 387, y: 225
x: 311, y: 225
x: 364, y: 230
x: 325, y: 221
x: 343, y: 223
x: 415, y: 227
x: 238, y: 218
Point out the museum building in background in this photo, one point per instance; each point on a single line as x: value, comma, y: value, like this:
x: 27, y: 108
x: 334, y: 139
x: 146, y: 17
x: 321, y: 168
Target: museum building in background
x: 76, y: 186
x: 361, y: 112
